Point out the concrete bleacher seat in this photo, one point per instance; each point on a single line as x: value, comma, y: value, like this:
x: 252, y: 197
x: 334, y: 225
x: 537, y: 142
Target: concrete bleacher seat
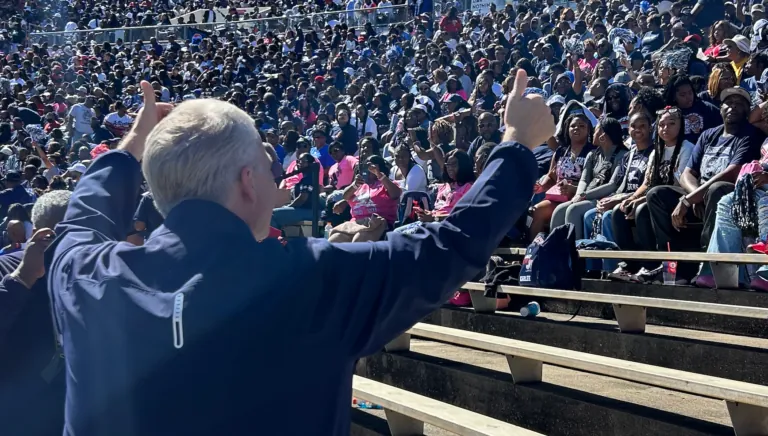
x: 407, y: 413
x: 747, y: 404
x: 630, y: 310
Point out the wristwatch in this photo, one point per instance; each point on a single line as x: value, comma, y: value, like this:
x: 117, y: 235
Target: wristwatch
x: 685, y: 201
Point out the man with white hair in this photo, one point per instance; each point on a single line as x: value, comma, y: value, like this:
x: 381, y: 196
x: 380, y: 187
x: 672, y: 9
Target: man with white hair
x: 32, y: 382
x: 198, y: 331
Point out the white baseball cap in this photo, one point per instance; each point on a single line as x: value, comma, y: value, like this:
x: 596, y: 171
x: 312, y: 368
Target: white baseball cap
x: 80, y: 168
x: 740, y: 41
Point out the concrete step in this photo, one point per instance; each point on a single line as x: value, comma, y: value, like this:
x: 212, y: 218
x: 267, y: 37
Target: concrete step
x: 711, y: 353
x: 567, y: 402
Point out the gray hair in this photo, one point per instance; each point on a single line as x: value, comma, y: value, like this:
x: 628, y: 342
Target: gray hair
x: 197, y: 151
x: 50, y: 208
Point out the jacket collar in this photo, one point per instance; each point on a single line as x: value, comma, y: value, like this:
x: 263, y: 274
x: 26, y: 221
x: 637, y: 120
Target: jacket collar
x: 206, y: 221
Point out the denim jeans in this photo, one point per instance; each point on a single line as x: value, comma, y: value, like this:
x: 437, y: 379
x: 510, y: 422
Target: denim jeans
x: 607, y: 232
x: 727, y: 238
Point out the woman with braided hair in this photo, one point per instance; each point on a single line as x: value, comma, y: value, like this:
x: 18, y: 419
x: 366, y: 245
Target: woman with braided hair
x: 666, y: 163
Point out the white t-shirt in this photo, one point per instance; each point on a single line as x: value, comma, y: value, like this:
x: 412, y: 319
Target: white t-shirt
x: 369, y: 127
x: 416, y: 180
x: 82, y: 118
x: 120, y: 124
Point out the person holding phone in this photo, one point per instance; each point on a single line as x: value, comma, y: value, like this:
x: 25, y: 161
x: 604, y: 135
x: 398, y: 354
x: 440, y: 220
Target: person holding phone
x: 372, y: 198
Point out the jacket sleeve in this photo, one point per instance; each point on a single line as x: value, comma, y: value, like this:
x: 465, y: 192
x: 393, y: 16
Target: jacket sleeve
x: 13, y: 298
x: 101, y: 208
x: 375, y: 291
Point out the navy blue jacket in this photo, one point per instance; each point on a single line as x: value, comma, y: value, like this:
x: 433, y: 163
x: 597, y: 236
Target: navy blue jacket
x: 31, y: 379
x: 268, y: 330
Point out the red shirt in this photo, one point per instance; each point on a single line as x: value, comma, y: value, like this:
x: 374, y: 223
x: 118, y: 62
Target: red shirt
x: 452, y: 25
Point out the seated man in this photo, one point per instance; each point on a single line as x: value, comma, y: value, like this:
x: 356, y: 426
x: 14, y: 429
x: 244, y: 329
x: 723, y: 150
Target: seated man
x: 710, y: 174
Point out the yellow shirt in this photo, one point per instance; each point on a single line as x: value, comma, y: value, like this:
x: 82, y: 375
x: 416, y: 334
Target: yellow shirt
x: 738, y: 67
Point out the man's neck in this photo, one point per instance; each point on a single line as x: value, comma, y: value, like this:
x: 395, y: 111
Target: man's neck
x: 731, y: 128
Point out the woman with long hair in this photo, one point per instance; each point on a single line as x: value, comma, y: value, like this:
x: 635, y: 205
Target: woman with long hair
x: 305, y: 113
x: 483, y: 99
x: 561, y: 183
x: 406, y: 171
x: 451, y: 23
x: 722, y: 77
x: 719, y: 32
x: 363, y: 123
x: 598, y: 178
x: 453, y: 86
x: 457, y: 179
x: 698, y: 115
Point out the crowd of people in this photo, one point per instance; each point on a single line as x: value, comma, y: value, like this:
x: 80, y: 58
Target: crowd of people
x: 661, y: 110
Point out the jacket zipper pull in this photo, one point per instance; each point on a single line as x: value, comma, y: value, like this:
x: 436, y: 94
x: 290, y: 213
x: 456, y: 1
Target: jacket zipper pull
x: 178, y: 327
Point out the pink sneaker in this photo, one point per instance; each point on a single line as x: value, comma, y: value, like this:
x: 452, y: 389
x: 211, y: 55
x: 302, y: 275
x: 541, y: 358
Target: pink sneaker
x: 705, y: 281
x: 461, y: 299
x: 759, y: 284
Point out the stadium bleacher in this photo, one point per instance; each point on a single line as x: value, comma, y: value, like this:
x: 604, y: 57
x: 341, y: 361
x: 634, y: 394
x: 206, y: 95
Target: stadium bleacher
x: 575, y: 371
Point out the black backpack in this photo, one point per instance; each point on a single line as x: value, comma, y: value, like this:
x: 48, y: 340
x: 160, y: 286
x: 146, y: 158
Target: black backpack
x: 552, y: 261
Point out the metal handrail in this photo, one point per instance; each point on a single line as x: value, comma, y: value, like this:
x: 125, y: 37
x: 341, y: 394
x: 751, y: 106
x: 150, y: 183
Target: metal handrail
x: 221, y: 24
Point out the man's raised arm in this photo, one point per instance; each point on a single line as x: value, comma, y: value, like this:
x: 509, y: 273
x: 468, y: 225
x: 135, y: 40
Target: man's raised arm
x: 105, y: 199
x: 386, y: 287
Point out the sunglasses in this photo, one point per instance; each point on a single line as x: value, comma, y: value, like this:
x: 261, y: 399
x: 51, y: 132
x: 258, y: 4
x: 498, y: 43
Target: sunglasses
x: 481, y: 125
x: 669, y: 110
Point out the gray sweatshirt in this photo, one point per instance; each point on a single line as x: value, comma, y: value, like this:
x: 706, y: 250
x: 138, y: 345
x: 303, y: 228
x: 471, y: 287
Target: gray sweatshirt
x: 595, y: 160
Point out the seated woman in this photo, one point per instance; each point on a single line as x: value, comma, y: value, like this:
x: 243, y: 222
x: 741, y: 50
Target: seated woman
x: 722, y: 77
x: 598, y: 178
x: 300, y: 207
x: 598, y: 221
x: 302, y: 147
x: 666, y: 163
x: 457, y: 179
x: 407, y: 171
x: 342, y: 173
x: 373, y: 199
x: 560, y: 184
x: 742, y: 214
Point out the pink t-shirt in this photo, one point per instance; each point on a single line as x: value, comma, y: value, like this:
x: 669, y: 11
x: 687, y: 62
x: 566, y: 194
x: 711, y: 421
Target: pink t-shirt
x: 448, y: 194
x: 370, y: 199
x: 290, y: 182
x: 343, y: 172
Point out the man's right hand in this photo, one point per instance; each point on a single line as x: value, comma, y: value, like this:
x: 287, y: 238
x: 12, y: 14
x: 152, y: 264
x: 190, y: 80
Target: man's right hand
x: 528, y: 120
x: 149, y: 115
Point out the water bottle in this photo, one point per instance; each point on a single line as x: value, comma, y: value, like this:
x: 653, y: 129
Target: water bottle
x: 530, y: 310
x: 328, y: 228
